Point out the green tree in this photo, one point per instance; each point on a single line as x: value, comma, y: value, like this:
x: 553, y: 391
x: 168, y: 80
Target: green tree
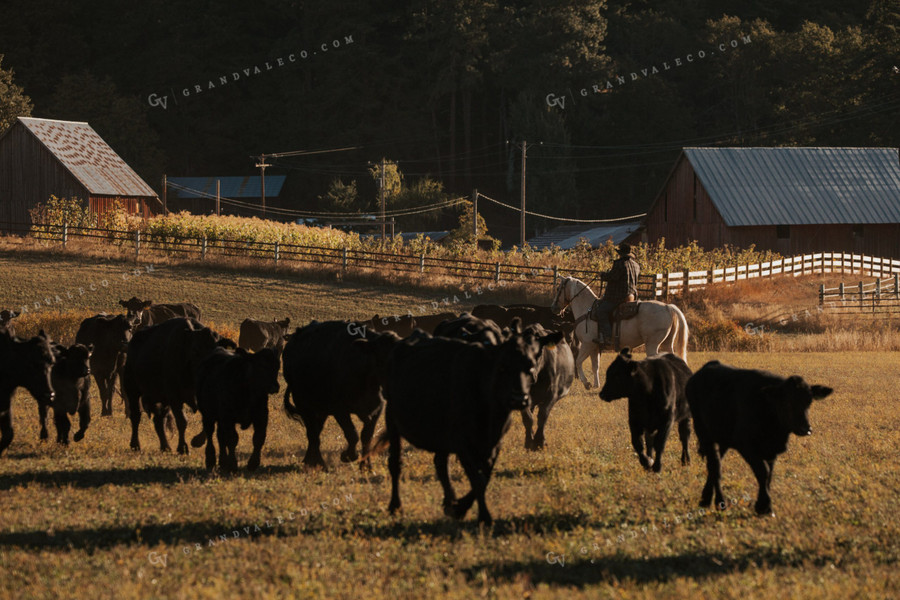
x: 341, y: 197
x: 13, y: 101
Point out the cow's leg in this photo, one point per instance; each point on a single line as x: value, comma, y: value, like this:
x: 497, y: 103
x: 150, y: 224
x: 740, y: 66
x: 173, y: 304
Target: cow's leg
x: 260, y: 427
x: 181, y: 424
x: 135, y: 422
x: 314, y: 424
x: 84, y: 413
x: 346, y: 423
x: 6, y: 429
x: 443, y: 475
x: 637, y: 442
x: 119, y: 374
x: 209, y: 428
x: 42, y: 417
x: 366, y: 433
x: 222, y: 435
x: 159, y: 424
x: 543, y: 415
x: 63, y: 426
x: 231, y: 438
x: 659, y: 444
x: 528, y: 423
x: 105, y: 383
x: 684, y: 433
x: 394, y: 466
x: 713, y: 476
x: 478, y: 472
x: 762, y: 469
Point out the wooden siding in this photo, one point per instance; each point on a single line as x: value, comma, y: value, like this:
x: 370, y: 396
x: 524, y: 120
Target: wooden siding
x: 673, y: 216
x: 29, y: 174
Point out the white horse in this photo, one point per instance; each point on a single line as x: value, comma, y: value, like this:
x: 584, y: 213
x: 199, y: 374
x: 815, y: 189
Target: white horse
x: 658, y: 326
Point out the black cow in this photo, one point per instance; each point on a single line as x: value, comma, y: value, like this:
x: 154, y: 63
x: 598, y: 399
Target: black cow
x: 556, y: 372
x: 448, y: 396
x: 402, y: 325
x: 529, y: 314
x: 656, y: 400
x: 153, y: 314
x: 428, y: 323
x: 328, y: 375
x: 233, y: 389
x: 109, y: 335
x: 25, y: 363
x: 555, y: 367
x: 160, y: 374
x: 753, y: 412
x: 6, y: 325
x: 70, y: 377
x: 256, y: 335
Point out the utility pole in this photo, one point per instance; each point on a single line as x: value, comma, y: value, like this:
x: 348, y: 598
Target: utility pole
x: 262, y: 168
x: 475, y: 217
x: 165, y: 187
x: 217, y: 197
x: 522, y: 219
x: 382, y: 201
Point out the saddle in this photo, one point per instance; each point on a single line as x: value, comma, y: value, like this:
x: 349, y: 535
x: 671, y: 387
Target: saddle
x: 624, y: 311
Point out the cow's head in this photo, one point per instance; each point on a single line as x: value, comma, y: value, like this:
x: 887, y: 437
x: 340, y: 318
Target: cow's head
x: 791, y: 400
x: 7, y: 315
x: 284, y: 324
x: 32, y: 361
x: 134, y: 306
x: 620, y: 377
x: 516, y: 366
x: 72, y: 363
x: 258, y: 372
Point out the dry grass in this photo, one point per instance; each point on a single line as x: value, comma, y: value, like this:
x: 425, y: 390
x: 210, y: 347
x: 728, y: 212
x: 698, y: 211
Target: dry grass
x: 97, y: 520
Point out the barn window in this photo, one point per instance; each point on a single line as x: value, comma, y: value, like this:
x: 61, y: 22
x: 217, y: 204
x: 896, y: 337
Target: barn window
x: 783, y: 232
x: 857, y: 231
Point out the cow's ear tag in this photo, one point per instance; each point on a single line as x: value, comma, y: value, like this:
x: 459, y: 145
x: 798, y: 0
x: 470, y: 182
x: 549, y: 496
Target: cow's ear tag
x: 550, y: 346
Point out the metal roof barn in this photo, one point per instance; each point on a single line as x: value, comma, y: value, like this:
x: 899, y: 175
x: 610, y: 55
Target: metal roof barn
x: 790, y: 200
x: 44, y: 157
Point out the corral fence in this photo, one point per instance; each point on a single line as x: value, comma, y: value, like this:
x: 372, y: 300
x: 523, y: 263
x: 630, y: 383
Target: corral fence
x: 804, y: 264
x: 881, y: 296
x: 658, y: 285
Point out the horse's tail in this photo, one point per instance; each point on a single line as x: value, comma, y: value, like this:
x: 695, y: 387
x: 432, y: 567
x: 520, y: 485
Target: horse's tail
x: 680, y: 341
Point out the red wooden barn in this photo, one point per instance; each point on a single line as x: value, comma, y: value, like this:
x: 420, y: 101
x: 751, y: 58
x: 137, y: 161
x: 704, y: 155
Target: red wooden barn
x: 790, y: 200
x: 44, y: 157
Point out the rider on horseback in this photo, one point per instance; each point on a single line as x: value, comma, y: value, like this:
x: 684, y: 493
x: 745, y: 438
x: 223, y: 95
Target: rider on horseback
x: 621, y: 282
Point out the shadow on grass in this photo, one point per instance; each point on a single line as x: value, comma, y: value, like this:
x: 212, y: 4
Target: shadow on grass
x: 179, y: 534
x: 446, y: 527
x: 94, y: 478
x: 659, y: 569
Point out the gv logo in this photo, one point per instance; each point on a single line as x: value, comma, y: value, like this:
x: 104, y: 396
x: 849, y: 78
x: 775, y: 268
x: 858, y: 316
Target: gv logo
x: 553, y: 100
x: 155, y: 100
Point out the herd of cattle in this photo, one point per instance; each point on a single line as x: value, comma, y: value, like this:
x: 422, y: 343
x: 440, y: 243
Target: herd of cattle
x: 447, y: 383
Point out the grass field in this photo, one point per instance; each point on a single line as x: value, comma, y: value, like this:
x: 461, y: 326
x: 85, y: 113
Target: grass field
x: 580, y: 519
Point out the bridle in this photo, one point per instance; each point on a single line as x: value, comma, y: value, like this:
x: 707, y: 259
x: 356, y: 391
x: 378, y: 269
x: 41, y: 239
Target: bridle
x: 569, y: 301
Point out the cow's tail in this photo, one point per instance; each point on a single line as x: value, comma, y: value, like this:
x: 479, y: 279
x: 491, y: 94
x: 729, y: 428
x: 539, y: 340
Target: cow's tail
x: 289, y: 407
x: 680, y: 343
x: 381, y: 442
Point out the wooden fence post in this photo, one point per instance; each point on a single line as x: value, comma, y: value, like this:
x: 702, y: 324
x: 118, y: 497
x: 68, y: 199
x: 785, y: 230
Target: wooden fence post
x: 277, y: 252
x: 555, y: 276
x: 65, y: 239
x: 861, y: 295
x: 497, y: 273
x: 821, y: 294
x: 422, y: 263
x: 137, y: 244
x: 897, y: 285
x: 203, y: 248
x: 344, y: 260
x: 841, y: 288
x: 878, y: 288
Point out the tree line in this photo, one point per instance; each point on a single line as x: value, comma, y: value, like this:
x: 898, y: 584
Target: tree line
x: 448, y: 90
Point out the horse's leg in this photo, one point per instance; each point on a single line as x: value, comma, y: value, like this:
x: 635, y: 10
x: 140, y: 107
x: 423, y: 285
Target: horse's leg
x: 587, y: 348
x: 595, y: 367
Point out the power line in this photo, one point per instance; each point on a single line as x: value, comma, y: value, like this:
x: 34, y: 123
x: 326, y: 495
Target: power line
x: 534, y: 214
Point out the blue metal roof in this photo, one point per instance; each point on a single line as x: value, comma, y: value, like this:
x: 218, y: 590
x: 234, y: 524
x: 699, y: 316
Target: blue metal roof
x: 567, y: 237
x: 800, y: 186
x: 229, y: 187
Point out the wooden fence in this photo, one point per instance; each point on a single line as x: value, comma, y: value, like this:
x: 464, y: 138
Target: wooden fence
x: 660, y: 285
x: 881, y: 296
x: 805, y: 264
